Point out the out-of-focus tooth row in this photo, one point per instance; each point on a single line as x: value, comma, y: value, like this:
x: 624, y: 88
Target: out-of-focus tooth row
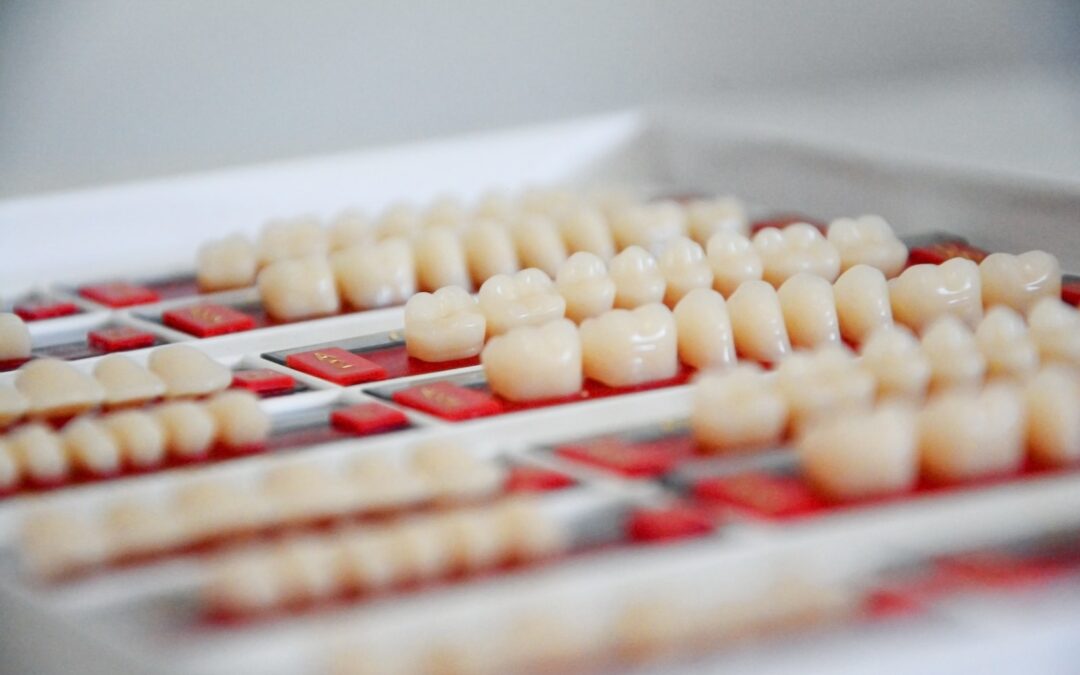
x: 15, y: 341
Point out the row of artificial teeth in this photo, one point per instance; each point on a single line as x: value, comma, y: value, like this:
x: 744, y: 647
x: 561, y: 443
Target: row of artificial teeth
x: 130, y: 439
x: 363, y: 561
x: 61, y: 543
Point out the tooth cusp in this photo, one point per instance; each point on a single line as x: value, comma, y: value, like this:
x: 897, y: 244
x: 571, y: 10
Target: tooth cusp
x: 733, y: 260
x: 1019, y: 281
x: 796, y: 248
x: 868, y: 240
x: 444, y: 326
x: 534, y: 362
x: 585, y: 285
x: 683, y: 264
x: 638, y: 279
x: 527, y: 298
x: 624, y: 348
x: 924, y: 293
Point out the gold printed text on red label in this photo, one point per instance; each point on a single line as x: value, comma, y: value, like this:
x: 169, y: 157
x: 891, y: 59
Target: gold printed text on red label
x: 332, y: 360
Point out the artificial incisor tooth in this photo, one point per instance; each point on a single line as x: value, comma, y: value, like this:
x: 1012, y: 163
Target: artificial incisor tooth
x: 733, y: 260
x: 704, y: 330
x: 739, y: 409
x: 187, y: 371
x: 757, y: 321
x: 351, y: 228
x: 893, y: 355
x: 139, y: 436
x: 1055, y: 328
x: 225, y: 264
x: 39, y: 452
x: 706, y: 217
x: 189, y: 428
x: 91, y: 447
x: 1052, y: 399
x: 534, y: 362
x: 868, y: 240
x: 966, y: 434
x: 625, y: 348
x: 682, y: 262
x: 55, y: 544
x: 584, y: 229
x: 584, y: 283
x: 305, y: 492
x: 211, y: 509
x: 293, y: 238
x: 539, y: 244
x: 809, y: 308
x: 1019, y: 281
x: 15, y: 340
x: 1004, y: 342
x: 241, y: 421
x: 647, y: 225
x: 799, y: 247
x: 954, y: 356
x: 299, y: 288
x: 862, y: 302
x: 923, y: 293
x: 440, y: 259
x: 13, y: 405
x: 444, y: 326
x: 127, y: 382
x: 489, y: 250
x: 638, y: 279
x: 376, y: 276
x: 827, y: 382
x: 306, y: 570
x: 55, y: 388
x: 527, y: 298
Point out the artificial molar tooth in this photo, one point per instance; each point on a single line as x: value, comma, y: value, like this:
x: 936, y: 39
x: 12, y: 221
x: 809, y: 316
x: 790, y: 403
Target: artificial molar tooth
x: 823, y: 383
x: 241, y: 421
x: 14, y: 338
x: 758, y: 323
x: 1019, y: 281
x: 922, y: 293
x: 965, y: 434
x: 91, y: 447
x: 189, y: 428
x: 528, y: 298
x: 139, y: 436
x: 351, y: 228
x: 57, y: 389
x: 953, y: 354
x: 706, y: 217
x: 734, y: 260
x: 446, y: 325
x: 1003, y: 339
x: 539, y: 244
x: 227, y: 263
x: 440, y: 259
x: 584, y: 229
x: 810, y: 313
x: 294, y: 238
x: 489, y: 250
x: 375, y: 276
x: 648, y: 225
x: 862, y: 302
x: 300, y: 288
x: 683, y: 264
x: 187, y: 371
x: 638, y: 279
x: 127, y: 382
x: 893, y: 355
x: 535, y: 362
x: 1052, y: 398
x: 584, y: 283
x: 39, y: 453
x: 868, y: 240
x: 1055, y: 328
x: 796, y: 248
x: 704, y: 330
x: 628, y: 347
x: 740, y: 409
x: 13, y: 405
x: 398, y: 221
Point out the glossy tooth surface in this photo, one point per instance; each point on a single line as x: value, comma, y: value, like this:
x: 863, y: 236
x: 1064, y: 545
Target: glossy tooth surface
x: 810, y: 313
x: 923, y: 293
x: 539, y: 244
x: 300, y: 288
x: 793, y: 249
x: 1055, y: 328
x: 965, y: 434
x: 862, y: 302
x: 187, y: 371
x: 127, y: 382
x: 647, y: 225
x: 758, y: 323
x: 953, y: 354
x: 351, y: 228
x: 706, y: 217
x: 1052, y: 399
x: 740, y: 409
x: 55, y: 544
x: 489, y: 250
x: 56, y: 389
x: 584, y: 229
x: 189, y: 428
x: 376, y: 276
x: 824, y: 383
x: 241, y: 421
x: 285, y: 239
x: 584, y: 283
x: 868, y: 240
x: 1004, y: 342
x: 13, y: 405
x: 134, y: 528
x: 398, y: 221
x: 385, y: 484
x: 704, y: 330
x: 440, y: 259
x: 211, y: 509
x: 1019, y: 281
x: 226, y: 263
x: 893, y: 355
x: 91, y: 447
x: 10, y: 474
x: 39, y: 452
x: 444, y: 326
x: 683, y: 264
x: 624, y: 348
x: 638, y: 279
x: 733, y: 260
x: 527, y: 298
x: 534, y: 362
x: 866, y: 454
x: 139, y: 436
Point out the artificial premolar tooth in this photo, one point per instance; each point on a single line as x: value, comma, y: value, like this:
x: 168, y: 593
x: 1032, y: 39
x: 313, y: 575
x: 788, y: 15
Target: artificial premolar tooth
x: 13, y: 405
x: 14, y: 338
x: 535, y: 362
x: 226, y: 263
x: 823, y: 383
x: 966, y: 434
x: 1052, y: 399
x: 296, y: 238
x: 707, y: 217
x: 637, y: 277
x: 444, y: 326
x: 758, y: 323
x: 683, y: 264
x: 440, y: 259
x: 241, y: 421
x: 1019, y: 281
x: 624, y: 348
x: 351, y: 228
x: 1003, y: 339
x: 893, y: 355
x: 299, y: 288
x: 187, y: 371
x: 704, y: 330
x: 648, y: 225
x: 734, y: 260
x: 127, y: 382
x: 868, y: 240
x: 527, y: 298
x: 1055, y: 328
x: 922, y: 293
x: 862, y: 302
x: 796, y: 248
x: 189, y: 428
x: 740, y: 409
x: 489, y: 250
x: 139, y: 436
x: 91, y: 447
x: 809, y: 308
x: 584, y: 229
x: 56, y: 389
x: 39, y: 452
x: 584, y: 283
x: 953, y: 354
x: 539, y: 244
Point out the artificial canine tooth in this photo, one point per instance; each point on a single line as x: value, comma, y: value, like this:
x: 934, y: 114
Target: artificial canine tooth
x: 637, y: 277
x: 819, y: 384
x: 139, y: 436
x: 375, y: 276
x: 39, y: 452
x: 809, y: 308
x: 55, y: 544
x: 706, y: 217
x: 1019, y: 281
x: 1055, y: 328
x: 226, y: 263
x: 91, y: 447
x: 187, y: 371
x: 535, y: 362
x: 683, y: 264
x: 740, y: 409
x: 57, y: 389
x: 299, y: 288
x: 967, y: 434
x: 13, y: 405
x: 922, y: 293
x: 489, y: 250
x: 189, y: 428
x: 351, y: 228
x: 398, y: 221
x: 241, y: 422
x: 14, y: 337
x: 584, y: 229
x: 704, y: 330
x: 584, y: 283
x: 647, y: 225
x: 527, y: 298
x: 862, y: 302
x: 539, y: 244
x: 1053, y: 416
x: 127, y: 382
x: 446, y: 325
x: 893, y: 355
x: 625, y: 348
x: 758, y: 323
x: 297, y: 238
x: 954, y: 356
x: 734, y: 260
x: 440, y: 259
x: 793, y: 249
x: 868, y: 240
x: 1003, y: 339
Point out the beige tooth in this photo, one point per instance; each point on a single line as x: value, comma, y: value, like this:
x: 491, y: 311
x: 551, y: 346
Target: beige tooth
x: 139, y: 436
x: 868, y: 240
x: 527, y: 298
x: 299, y: 288
x: 734, y: 260
x: 376, y: 276
x: 398, y: 221
x: 91, y: 447
x: 244, y: 583
x: 10, y: 474
x: 226, y: 263
x: 1019, y: 281
x: 293, y: 238
x: 496, y: 205
x: 922, y: 293
x: 187, y: 371
x: 535, y: 362
x: 1004, y: 342
x: 704, y: 332
x: 351, y: 228
x: 474, y: 540
x: 625, y: 348
x: 55, y: 544
x: 893, y: 355
x: 211, y: 509
x: 136, y: 529
x: 419, y: 551
x: 385, y: 484
x: 827, y: 382
x: 306, y: 492
x: 758, y: 323
x: 531, y: 534
x: 1055, y: 328
x: 683, y: 264
x: 489, y: 250
x: 366, y: 561
x: 648, y: 225
x: 584, y: 229
x: 127, y: 382
x: 810, y: 312
x: 637, y: 277
x: 706, y: 217
x: 862, y: 302
x: 953, y: 353
x: 584, y: 283
x: 446, y: 325
x: 39, y: 452
x: 13, y: 405
x: 796, y: 248
x: 740, y: 409
x: 1052, y: 399
x: 241, y: 421
x: 189, y: 428
x: 965, y: 435
x: 539, y: 244
x: 548, y: 201
x: 15, y: 340
x: 440, y: 259
x: 306, y: 571
x: 445, y: 211
x: 610, y: 199
x: 57, y: 389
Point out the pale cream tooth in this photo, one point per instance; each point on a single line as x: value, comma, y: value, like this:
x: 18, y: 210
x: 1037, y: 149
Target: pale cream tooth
x: 496, y: 205
x: 527, y: 298
x: 209, y: 509
x: 440, y: 259
x: 399, y: 221
x: 351, y: 228
x: 893, y: 355
x: 740, y: 409
x: 385, y: 484
x: 707, y: 217
x: 305, y: 492
x: 1019, y: 281
x: 55, y: 544
x: 39, y: 452
x: 13, y: 405
x: 139, y: 436
x: 367, y: 561
x: 610, y: 199
x: 134, y: 529
x: 796, y: 248
x: 584, y: 283
x: 244, y: 583
x: 1055, y: 328
x: 704, y: 330
x: 810, y: 312
x: 223, y: 264
x: 127, y: 382
x: 241, y: 421
x: 187, y: 371
x: 1052, y: 399
x: 868, y: 240
x: 306, y: 570
x: 823, y: 383
x: 91, y: 447
x: 294, y: 238
x: 966, y: 434
x: 922, y: 293
x: 865, y: 454
x: 454, y: 474
x: 299, y: 288
x: 757, y: 320
x: 489, y: 250
x: 647, y: 225
x: 548, y: 201
x: 444, y: 326
x: 628, y: 347
x: 585, y: 229
x: 733, y: 260
x: 55, y: 388
x: 418, y: 550
x: 534, y: 362
x: 376, y: 276
x: 529, y: 532
x: 10, y: 474
x: 189, y: 428
x: 445, y: 211
x: 434, y: 458
x: 539, y: 244
x: 1003, y: 339
x: 15, y: 340
x: 638, y: 279
x: 683, y: 264
x: 647, y: 630
x: 953, y: 354
x: 474, y: 540
x: 862, y: 302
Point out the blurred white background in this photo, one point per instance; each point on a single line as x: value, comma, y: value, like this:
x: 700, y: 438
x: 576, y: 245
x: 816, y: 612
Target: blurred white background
x: 97, y: 91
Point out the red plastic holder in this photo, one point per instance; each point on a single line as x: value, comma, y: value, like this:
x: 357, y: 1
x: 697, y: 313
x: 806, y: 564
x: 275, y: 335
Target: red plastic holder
x: 336, y: 365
